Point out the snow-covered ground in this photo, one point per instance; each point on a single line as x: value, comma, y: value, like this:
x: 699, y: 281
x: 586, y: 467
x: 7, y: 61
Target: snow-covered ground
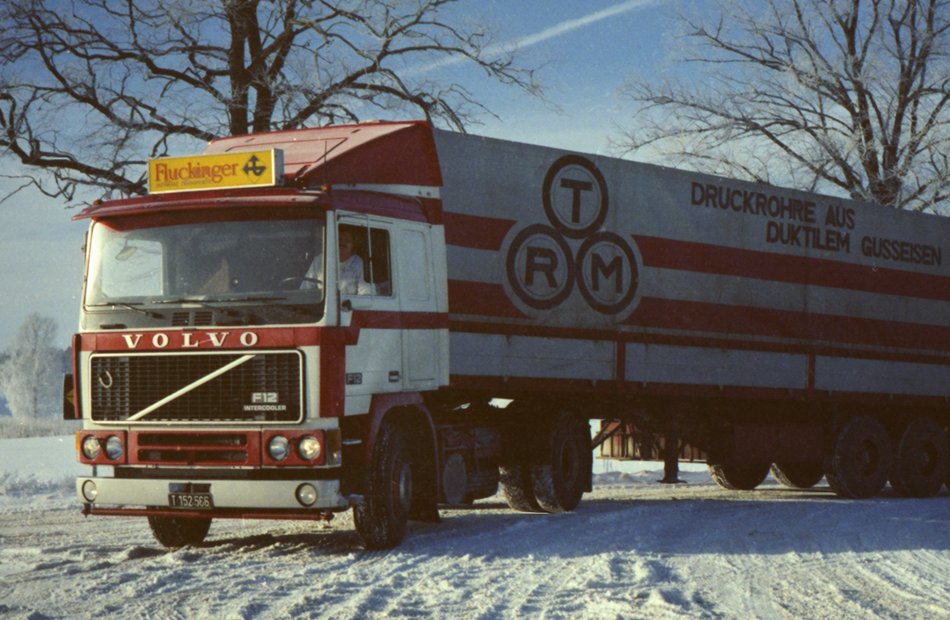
x: 633, y: 549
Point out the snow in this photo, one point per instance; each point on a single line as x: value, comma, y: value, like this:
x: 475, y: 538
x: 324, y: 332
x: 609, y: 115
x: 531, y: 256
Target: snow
x: 633, y: 549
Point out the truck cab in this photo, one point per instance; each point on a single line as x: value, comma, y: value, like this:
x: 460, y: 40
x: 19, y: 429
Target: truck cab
x: 239, y: 345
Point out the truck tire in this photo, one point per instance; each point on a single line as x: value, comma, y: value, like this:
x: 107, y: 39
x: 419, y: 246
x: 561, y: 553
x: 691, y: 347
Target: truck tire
x: 381, y: 517
x: 175, y: 532
x: 559, y: 475
x: 516, y: 486
x: 798, y: 475
x: 921, y: 458
x: 860, y: 459
x: 738, y: 476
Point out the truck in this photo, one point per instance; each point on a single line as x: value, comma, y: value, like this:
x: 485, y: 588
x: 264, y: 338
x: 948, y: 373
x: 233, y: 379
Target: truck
x: 390, y: 318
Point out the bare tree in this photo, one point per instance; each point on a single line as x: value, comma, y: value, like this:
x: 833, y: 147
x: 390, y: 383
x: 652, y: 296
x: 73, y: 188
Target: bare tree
x: 30, y: 376
x: 89, y: 89
x: 846, y: 96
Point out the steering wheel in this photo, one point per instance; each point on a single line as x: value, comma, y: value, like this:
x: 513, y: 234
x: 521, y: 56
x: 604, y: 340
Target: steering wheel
x: 295, y: 282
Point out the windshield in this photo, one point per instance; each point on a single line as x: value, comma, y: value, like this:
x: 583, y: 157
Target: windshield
x: 249, y: 261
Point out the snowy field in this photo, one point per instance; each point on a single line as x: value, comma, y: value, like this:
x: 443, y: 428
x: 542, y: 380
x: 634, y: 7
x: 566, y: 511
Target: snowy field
x: 633, y: 549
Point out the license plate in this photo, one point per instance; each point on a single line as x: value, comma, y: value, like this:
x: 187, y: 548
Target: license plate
x: 193, y: 501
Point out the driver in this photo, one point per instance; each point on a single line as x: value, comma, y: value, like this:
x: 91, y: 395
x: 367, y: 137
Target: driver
x: 351, y: 268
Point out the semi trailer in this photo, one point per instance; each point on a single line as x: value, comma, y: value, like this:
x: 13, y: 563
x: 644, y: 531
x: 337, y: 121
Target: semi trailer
x: 389, y: 317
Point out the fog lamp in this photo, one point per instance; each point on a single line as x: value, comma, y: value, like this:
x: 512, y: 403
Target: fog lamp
x: 91, y: 448
x: 306, y: 495
x: 89, y: 491
x: 278, y: 448
x: 309, y: 448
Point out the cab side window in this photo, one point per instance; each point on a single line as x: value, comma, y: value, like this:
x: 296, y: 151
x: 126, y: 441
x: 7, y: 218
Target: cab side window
x: 365, y: 266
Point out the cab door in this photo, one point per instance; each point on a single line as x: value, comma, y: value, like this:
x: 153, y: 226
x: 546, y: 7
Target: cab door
x: 369, y: 304
x: 423, y: 356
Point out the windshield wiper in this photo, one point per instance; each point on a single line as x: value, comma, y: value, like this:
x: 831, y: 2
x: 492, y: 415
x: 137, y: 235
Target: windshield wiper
x: 180, y: 300
x: 130, y: 306
x: 205, y: 301
x: 248, y: 298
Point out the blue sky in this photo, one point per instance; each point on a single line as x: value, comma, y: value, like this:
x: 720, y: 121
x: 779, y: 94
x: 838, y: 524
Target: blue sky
x: 587, y: 50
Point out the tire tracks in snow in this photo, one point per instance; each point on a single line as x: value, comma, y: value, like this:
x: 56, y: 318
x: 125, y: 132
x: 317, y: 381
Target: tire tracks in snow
x: 693, y: 551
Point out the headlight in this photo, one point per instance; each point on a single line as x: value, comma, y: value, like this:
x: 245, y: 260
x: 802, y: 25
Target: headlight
x: 114, y: 448
x: 278, y: 448
x: 309, y: 448
x: 91, y: 448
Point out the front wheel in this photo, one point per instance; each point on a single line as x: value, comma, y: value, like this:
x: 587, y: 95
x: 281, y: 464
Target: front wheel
x: 381, y: 517
x: 175, y: 532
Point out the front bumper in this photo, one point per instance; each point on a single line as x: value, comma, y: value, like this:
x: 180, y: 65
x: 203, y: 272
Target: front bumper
x: 231, y: 498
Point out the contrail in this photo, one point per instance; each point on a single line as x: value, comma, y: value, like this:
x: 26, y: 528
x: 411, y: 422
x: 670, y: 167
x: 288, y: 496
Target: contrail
x: 554, y: 31
x: 571, y: 25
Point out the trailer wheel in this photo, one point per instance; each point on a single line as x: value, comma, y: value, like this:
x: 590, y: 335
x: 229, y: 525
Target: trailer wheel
x: 564, y: 460
x: 798, y: 475
x: 739, y: 476
x: 860, y: 459
x: 516, y: 486
x: 381, y: 517
x: 174, y: 532
x: 920, y: 459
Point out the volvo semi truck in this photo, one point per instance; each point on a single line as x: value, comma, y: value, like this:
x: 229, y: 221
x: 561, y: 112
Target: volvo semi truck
x: 389, y: 317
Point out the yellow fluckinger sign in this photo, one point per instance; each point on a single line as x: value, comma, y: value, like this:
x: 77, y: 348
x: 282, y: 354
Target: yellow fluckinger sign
x: 227, y: 171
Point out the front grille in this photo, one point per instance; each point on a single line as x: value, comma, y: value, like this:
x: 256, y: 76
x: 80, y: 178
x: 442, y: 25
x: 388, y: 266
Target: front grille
x: 193, y: 449
x: 266, y: 388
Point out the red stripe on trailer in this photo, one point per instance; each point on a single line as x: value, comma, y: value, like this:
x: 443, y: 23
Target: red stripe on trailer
x: 475, y: 231
x: 707, y: 258
x: 732, y: 342
x: 512, y: 386
x: 819, y: 328
x: 481, y: 299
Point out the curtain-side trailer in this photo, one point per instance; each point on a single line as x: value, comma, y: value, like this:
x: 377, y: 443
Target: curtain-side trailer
x: 389, y: 317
